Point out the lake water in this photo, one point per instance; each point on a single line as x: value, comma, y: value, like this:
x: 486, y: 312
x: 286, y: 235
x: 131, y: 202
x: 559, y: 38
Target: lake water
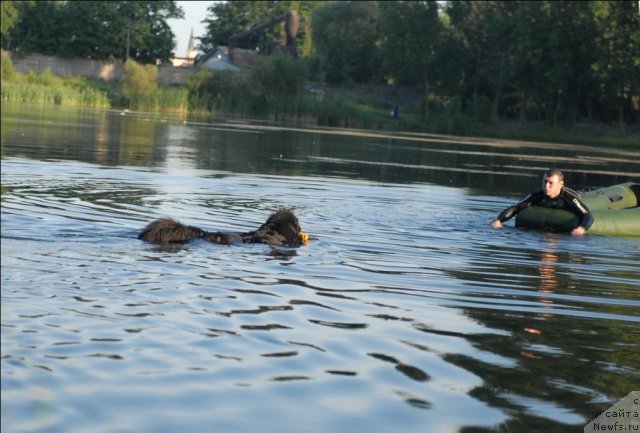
x: 405, y: 313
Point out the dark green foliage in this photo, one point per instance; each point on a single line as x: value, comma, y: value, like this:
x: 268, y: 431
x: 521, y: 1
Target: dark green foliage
x: 471, y: 63
x: 345, y: 36
x: 561, y: 62
x: 546, y: 60
x: 275, y: 89
x: 48, y: 88
x: 230, y: 18
x: 221, y: 92
x: 9, y: 20
x: 96, y: 29
x: 280, y: 83
x: 141, y: 91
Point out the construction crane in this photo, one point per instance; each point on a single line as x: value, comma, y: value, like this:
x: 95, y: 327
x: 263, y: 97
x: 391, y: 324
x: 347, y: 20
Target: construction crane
x: 291, y: 25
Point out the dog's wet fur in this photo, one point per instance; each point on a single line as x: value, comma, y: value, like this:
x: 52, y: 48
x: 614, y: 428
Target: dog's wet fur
x: 281, y: 229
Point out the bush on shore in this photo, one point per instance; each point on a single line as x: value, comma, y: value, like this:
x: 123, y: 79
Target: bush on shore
x: 141, y: 92
x: 48, y: 88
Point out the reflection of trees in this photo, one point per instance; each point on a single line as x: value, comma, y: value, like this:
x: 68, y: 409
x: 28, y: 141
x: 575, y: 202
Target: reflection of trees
x: 570, y: 365
x: 137, y: 139
x: 141, y: 139
x: 102, y: 139
x: 558, y: 358
x: 95, y: 136
x: 290, y: 152
x: 377, y: 159
x: 548, y: 283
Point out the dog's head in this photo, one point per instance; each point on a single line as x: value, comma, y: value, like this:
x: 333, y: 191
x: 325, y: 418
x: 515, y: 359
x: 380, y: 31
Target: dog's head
x: 282, y: 228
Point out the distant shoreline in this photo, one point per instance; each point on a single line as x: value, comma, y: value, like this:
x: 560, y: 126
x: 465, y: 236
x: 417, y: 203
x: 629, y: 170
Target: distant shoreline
x: 344, y: 108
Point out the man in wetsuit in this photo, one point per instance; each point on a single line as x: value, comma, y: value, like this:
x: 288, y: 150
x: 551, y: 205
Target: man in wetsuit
x: 552, y: 195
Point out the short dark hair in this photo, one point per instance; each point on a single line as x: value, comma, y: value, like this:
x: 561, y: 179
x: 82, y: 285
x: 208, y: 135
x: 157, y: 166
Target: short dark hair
x: 555, y: 172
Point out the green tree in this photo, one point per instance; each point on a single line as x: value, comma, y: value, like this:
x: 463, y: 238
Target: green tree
x: 488, y: 28
x: 346, y: 40
x: 139, y: 79
x: 411, y: 37
x: 151, y: 38
x: 279, y: 81
x: 305, y: 10
x: 530, y: 60
x: 567, y: 52
x: 227, y: 19
x: 90, y: 30
x: 549, y: 60
x: 35, y: 30
x: 221, y: 92
x: 97, y: 29
x: 449, y: 71
x: 8, y: 21
x: 617, y: 64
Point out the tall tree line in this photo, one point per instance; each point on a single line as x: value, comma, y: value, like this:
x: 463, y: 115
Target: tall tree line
x: 560, y: 61
x: 91, y: 29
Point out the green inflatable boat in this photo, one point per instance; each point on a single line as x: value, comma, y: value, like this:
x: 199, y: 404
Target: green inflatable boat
x: 615, y: 212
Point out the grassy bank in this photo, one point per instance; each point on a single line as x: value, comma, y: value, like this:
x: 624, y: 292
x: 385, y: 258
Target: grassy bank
x: 48, y: 88
x: 597, y: 134
x: 579, y: 133
x: 345, y: 111
x: 276, y: 92
x: 139, y: 90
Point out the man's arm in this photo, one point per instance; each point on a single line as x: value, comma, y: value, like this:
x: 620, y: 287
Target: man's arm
x: 512, y: 211
x: 581, y: 210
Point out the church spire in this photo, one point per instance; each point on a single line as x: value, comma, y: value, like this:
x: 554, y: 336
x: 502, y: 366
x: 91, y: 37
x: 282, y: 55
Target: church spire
x: 191, y: 50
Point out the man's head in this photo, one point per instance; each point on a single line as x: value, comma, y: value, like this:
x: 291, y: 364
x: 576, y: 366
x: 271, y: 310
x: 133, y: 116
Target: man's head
x: 552, y: 183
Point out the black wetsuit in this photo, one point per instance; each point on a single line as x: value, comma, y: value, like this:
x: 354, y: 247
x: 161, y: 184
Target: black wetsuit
x: 568, y: 200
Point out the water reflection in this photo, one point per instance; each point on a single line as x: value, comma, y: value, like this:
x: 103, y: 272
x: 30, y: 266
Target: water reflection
x: 548, y: 268
x: 553, y: 356
x: 140, y: 139
x: 549, y: 283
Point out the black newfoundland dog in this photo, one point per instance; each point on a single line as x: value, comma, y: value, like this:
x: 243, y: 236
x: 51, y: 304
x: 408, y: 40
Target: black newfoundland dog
x: 281, y: 229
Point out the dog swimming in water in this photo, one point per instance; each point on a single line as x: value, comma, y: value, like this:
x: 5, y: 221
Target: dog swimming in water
x: 281, y: 229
